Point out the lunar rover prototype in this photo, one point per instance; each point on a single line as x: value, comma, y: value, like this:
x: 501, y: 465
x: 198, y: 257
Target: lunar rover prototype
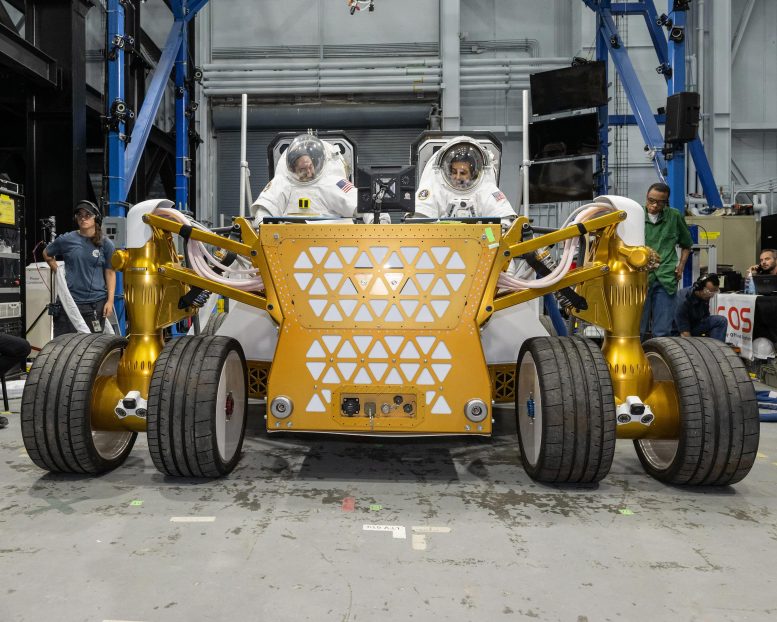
x: 385, y: 330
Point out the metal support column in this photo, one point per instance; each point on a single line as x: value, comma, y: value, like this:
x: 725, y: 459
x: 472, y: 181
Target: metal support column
x: 117, y: 137
x: 182, y: 161
x: 603, y: 159
x: 450, y: 18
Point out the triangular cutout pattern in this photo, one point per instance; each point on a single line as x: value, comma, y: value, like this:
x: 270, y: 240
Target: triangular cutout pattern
x: 394, y: 315
x: 394, y: 262
x: 363, y: 314
x: 393, y: 342
x: 409, y: 253
x: 318, y: 253
x: 362, y: 342
x: 393, y: 377
x: 315, y: 405
x: 331, y: 341
x: 348, y: 253
x: 327, y: 395
x: 331, y: 377
x: 364, y: 261
x: 425, y: 378
x: 378, y: 351
x: 424, y: 280
x: 440, y: 306
x: 409, y: 289
x: 424, y: 263
x: 424, y: 315
x: 347, y: 351
x: 440, y: 288
x: 441, y: 370
x: 455, y: 280
x: 348, y: 289
x: 333, y: 262
x: 440, y: 253
x: 378, y: 306
x: 303, y: 262
x: 441, y: 407
x: 408, y: 306
x: 333, y: 280
x: 425, y: 343
x: 410, y: 351
x: 318, y: 289
x: 394, y: 279
x: 333, y: 315
x: 347, y: 306
x: 441, y: 352
x: 303, y: 278
x: 455, y: 262
x: 315, y: 351
x: 346, y: 370
x: 362, y: 377
x: 379, y: 252
x: 317, y: 305
x: 315, y: 368
x: 409, y: 370
x: 377, y: 370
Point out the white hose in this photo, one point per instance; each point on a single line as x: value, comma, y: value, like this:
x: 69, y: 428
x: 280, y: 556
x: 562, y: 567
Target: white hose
x: 517, y: 282
x: 203, y: 262
x: 71, y: 308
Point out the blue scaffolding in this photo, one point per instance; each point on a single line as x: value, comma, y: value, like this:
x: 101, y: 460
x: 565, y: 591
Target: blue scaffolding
x: 125, y: 151
x: 669, y: 161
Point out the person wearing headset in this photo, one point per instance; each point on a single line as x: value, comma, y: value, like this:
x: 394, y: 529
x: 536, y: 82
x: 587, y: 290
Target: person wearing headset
x: 91, y: 280
x: 692, y: 315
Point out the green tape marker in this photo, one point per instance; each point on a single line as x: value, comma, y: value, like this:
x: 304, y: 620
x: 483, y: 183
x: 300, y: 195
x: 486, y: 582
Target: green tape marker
x: 376, y: 507
x: 490, y: 234
x: 626, y: 512
x: 136, y: 502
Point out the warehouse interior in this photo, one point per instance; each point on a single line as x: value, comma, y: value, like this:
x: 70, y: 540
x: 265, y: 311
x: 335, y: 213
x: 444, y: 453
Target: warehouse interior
x: 150, y: 108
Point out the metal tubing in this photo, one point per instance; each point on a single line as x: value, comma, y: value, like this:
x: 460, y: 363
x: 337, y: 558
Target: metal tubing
x: 118, y: 181
x: 324, y: 64
x: 326, y: 89
x: 243, y: 160
x: 525, y: 145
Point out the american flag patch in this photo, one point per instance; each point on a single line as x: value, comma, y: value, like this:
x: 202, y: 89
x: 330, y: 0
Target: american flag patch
x: 344, y: 185
x: 499, y: 196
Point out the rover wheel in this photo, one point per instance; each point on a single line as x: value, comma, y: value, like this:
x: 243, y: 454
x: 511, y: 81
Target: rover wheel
x: 719, y: 427
x: 565, y: 410
x: 56, y: 406
x: 197, y: 404
x: 214, y: 323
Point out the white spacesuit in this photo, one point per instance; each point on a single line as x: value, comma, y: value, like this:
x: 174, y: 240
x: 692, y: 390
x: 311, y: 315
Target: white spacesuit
x: 459, y: 181
x: 311, y: 180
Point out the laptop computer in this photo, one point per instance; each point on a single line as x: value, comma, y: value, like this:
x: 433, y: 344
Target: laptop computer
x: 765, y: 284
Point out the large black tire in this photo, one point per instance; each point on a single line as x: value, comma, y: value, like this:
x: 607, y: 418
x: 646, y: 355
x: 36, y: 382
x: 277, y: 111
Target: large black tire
x: 214, y: 323
x: 56, y: 406
x: 719, y: 426
x: 571, y: 437
x: 197, y: 404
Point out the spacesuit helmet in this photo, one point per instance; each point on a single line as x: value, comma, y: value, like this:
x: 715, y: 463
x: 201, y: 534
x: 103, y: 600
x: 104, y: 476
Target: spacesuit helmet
x: 306, y: 158
x: 462, y: 165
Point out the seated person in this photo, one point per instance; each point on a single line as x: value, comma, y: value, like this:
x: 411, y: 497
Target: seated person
x: 459, y: 181
x: 311, y: 180
x: 693, y: 310
x: 13, y: 352
x: 767, y: 264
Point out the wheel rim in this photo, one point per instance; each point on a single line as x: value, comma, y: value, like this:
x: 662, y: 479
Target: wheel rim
x: 108, y: 444
x: 230, y: 406
x: 529, y: 428
x: 659, y: 453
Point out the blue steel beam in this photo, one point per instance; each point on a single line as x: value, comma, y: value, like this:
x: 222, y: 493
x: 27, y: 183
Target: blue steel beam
x: 638, y: 101
x: 181, y: 127
x: 656, y: 32
x: 603, y: 163
x: 676, y: 84
x: 148, y: 110
x: 117, y: 182
x: 630, y: 119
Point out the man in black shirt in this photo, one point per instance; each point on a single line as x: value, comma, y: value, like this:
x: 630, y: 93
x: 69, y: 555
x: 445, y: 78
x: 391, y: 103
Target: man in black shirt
x: 693, y: 310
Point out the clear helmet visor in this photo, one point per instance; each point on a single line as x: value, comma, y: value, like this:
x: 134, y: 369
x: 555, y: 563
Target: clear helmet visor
x: 305, y: 158
x: 462, y: 166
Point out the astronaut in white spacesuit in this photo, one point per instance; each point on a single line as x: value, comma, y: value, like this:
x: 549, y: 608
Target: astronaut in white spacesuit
x: 459, y: 181
x: 310, y: 181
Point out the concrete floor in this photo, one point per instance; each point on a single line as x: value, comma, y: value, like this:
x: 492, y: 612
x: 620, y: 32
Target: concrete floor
x: 459, y: 532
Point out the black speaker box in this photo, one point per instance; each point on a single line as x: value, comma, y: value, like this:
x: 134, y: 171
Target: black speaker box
x: 768, y: 232
x: 682, y: 117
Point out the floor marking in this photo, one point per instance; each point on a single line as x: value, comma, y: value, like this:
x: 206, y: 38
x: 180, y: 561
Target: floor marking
x: 397, y: 531
x: 419, y: 535
x: 760, y: 455
x: 192, y: 519
x: 349, y: 504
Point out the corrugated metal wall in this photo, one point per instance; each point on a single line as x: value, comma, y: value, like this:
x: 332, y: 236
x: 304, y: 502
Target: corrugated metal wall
x: 375, y: 147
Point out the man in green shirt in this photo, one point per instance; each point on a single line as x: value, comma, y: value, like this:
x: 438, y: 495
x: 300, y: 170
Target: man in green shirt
x: 665, y: 229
